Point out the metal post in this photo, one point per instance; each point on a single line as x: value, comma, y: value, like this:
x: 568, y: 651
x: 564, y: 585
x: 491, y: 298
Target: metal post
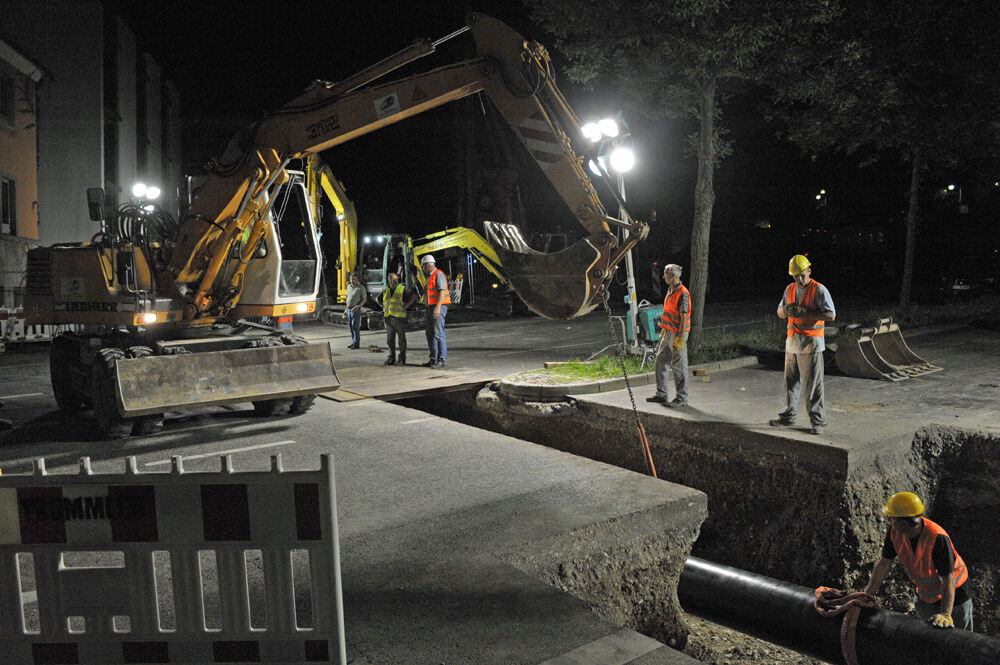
x: 631, y: 341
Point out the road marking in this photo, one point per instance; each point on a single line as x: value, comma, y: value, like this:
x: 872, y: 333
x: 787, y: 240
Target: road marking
x: 223, y: 452
x: 21, y: 395
x: 618, y: 648
x: 418, y: 420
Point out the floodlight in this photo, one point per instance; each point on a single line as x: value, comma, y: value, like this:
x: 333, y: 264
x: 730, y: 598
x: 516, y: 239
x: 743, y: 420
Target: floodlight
x: 622, y: 159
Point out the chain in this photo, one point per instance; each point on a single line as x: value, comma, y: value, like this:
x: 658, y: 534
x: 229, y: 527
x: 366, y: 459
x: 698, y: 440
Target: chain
x: 647, y: 454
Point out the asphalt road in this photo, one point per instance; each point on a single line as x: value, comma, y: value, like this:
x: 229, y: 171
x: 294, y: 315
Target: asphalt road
x: 430, y: 509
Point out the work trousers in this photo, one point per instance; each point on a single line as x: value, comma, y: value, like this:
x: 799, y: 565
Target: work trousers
x: 960, y: 614
x: 437, y: 345
x: 395, y: 326
x: 354, y: 323
x: 804, y: 373
x: 674, y: 361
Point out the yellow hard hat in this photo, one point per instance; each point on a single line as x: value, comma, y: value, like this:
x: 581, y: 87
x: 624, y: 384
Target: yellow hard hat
x: 797, y: 264
x: 903, y: 504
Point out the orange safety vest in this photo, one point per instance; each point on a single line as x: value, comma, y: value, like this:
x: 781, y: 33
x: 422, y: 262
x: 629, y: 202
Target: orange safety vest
x: 918, y: 562
x: 434, y: 294
x: 796, y: 325
x: 671, y: 317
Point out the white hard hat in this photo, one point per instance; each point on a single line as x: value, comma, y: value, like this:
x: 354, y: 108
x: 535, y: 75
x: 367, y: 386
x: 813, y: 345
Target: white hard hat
x: 428, y: 258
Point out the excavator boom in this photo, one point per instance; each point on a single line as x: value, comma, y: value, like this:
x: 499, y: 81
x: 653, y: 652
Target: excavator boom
x: 514, y: 74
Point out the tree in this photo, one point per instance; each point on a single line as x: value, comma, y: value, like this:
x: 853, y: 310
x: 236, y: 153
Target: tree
x: 678, y: 59
x: 909, y: 79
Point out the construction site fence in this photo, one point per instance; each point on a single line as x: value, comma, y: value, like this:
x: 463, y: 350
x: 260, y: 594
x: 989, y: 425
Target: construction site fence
x: 14, y: 329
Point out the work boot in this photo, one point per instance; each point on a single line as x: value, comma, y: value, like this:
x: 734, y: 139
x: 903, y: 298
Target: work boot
x: 676, y: 402
x: 657, y: 399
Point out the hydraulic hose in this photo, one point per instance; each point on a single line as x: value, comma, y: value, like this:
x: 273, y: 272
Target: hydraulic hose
x: 783, y: 613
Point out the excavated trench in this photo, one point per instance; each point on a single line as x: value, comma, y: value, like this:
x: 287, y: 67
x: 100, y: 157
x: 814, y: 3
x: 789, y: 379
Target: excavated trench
x: 806, y: 513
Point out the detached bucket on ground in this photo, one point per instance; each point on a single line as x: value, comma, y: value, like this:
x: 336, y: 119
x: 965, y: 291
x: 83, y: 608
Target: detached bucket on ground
x: 879, y: 352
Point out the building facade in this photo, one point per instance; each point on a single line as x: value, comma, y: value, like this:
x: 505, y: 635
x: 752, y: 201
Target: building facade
x: 19, y: 78
x: 106, y: 117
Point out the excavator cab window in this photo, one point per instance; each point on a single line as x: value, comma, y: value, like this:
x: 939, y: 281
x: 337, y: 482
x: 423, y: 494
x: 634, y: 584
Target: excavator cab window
x: 296, y: 241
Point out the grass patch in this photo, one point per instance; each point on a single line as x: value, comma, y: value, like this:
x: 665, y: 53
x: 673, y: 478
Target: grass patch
x: 769, y: 337
x: 577, y: 371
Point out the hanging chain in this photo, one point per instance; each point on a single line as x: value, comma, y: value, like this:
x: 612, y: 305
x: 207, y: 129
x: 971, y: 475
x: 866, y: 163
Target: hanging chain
x: 647, y: 453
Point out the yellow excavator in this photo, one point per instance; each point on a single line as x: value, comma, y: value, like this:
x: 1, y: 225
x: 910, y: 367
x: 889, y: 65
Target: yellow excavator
x: 378, y: 255
x: 164, y: 305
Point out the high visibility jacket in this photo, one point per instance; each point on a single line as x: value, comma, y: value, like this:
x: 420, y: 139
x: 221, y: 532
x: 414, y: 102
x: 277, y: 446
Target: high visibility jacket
x: 671, y: 317
x: 392, y: 302
x: 800, y: 326
x: 918, y: 562
x: 434, y: 294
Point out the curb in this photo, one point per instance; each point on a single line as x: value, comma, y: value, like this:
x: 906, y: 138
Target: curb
x: 533, y: 392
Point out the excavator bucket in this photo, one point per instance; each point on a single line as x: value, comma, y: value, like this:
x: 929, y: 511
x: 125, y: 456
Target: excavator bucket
x: 561, y: 285
x: 879, y: 352
x: 156, y: 384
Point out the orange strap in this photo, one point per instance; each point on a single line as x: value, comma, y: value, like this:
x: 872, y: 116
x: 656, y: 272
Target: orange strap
x: 831, y: 602
x: 646, y: 452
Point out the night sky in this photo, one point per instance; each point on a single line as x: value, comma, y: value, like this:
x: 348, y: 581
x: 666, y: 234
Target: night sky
x: 234, y: 62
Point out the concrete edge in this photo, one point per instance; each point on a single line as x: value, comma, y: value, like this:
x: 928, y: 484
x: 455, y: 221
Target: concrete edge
x: 552, y: 393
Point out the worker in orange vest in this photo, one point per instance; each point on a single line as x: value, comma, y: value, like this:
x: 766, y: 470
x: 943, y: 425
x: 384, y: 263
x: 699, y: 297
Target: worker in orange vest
x: 929, y: 559
x: 807, y: 306
x: 675, y: 325
x: 437, y: 300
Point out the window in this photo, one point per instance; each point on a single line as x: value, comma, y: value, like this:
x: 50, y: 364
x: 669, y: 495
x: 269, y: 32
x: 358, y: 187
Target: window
x: 8, y: 207
x: 7, y: 100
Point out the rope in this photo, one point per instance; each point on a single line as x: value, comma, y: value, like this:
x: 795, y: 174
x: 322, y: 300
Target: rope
x: 647, y: 454
x: 831, y: 602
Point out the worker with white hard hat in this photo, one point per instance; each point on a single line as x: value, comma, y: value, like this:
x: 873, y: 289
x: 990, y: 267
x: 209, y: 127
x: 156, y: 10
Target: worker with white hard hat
x: 807, y: 306
x: 437, y: 298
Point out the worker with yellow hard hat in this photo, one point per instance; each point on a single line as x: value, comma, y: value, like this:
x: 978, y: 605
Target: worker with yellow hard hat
x: 807, y: 306
x: 929, y: 559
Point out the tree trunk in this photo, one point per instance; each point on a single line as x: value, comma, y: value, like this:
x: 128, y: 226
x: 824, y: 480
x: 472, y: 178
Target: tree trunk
x: 704, y: 201
x: 911, y: 231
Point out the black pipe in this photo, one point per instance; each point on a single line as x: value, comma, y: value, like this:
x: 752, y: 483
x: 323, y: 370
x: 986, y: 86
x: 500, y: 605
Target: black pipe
x: 783, y: 613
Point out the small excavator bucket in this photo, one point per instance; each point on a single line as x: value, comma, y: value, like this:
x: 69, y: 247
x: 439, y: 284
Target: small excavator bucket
x: 879, y: 352
x: 155, y: 384
x: 561, y: 285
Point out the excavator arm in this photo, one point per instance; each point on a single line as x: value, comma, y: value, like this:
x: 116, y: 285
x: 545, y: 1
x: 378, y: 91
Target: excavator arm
x: 229, y: 217
x: 319, y: 178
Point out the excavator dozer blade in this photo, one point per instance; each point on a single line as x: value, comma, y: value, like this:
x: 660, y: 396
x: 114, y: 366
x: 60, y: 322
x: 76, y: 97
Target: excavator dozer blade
x: 155, y: 384
x: 879, y: 352
x: 561, y: 285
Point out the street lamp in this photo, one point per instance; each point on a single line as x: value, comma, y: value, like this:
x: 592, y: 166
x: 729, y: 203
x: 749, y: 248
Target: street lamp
x: 609, y: 136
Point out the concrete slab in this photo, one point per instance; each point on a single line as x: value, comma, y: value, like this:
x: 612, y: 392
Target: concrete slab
x: 867, y: 417
x: 395, y: 381
x: 469, y: 545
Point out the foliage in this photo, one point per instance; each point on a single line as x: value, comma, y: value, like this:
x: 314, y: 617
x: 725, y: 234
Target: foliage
x: 909, y: 79
x: 679, y: 59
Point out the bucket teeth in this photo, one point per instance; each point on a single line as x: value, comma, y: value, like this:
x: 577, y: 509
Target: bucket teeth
x: 879, y: 352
